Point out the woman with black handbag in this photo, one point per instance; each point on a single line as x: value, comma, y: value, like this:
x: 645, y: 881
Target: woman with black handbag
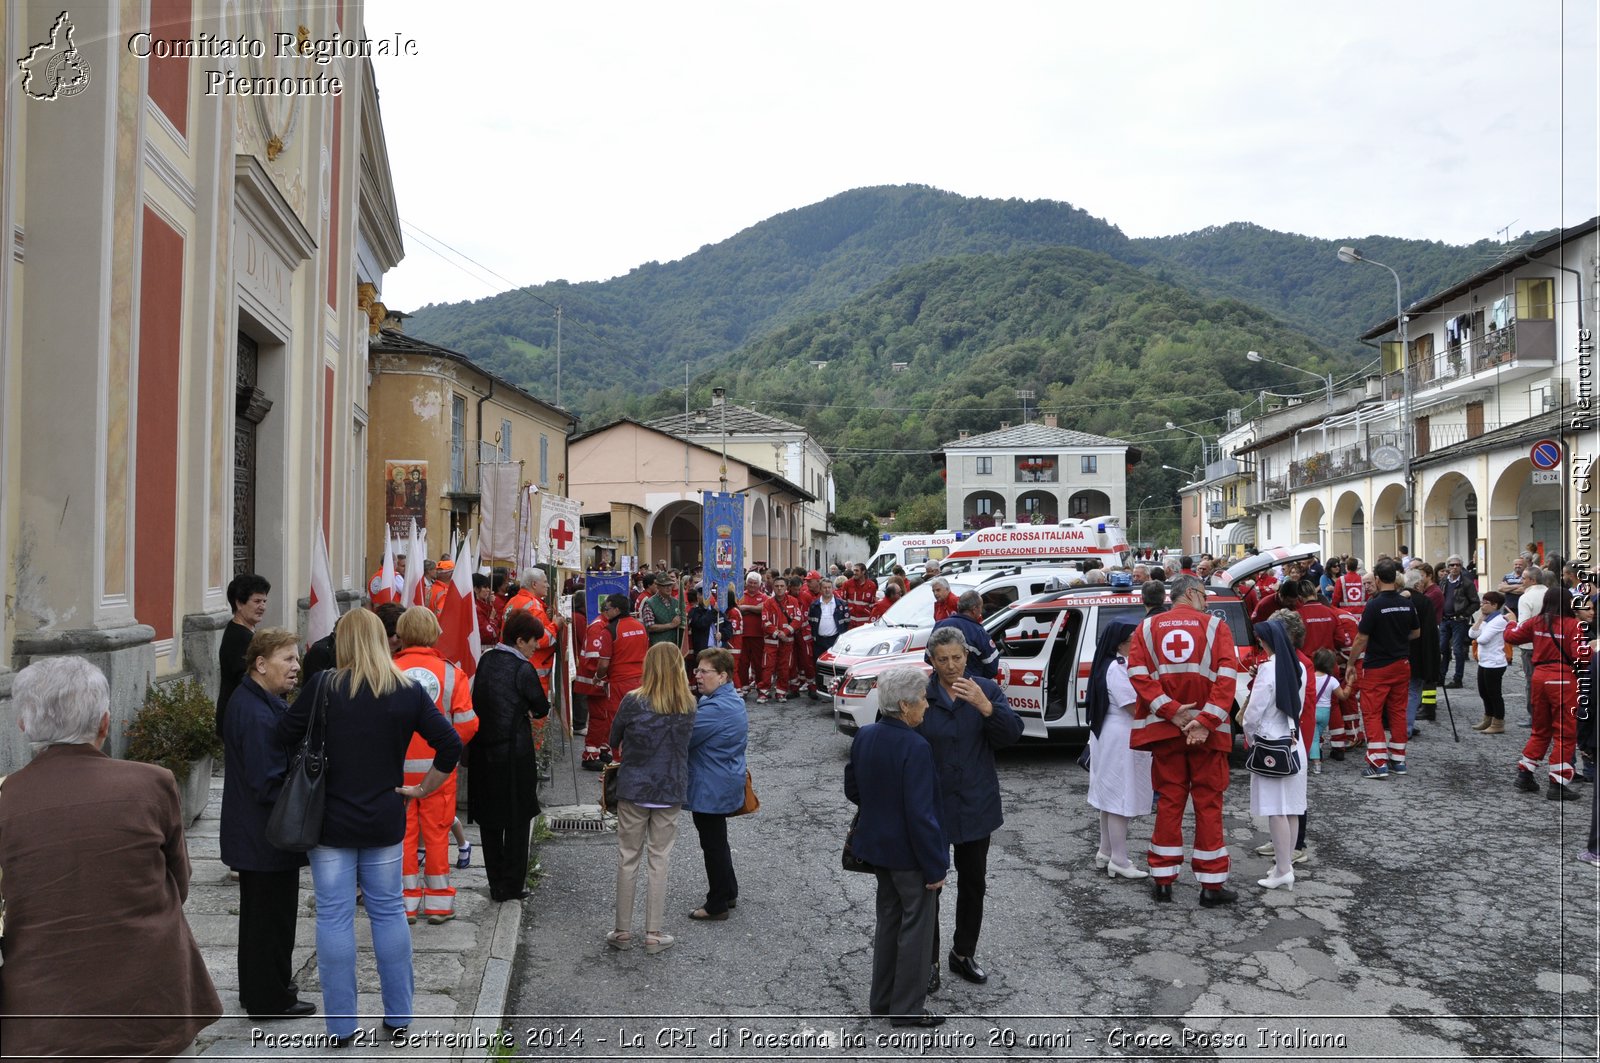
x: 369, y: 715
x: 1277, y: 764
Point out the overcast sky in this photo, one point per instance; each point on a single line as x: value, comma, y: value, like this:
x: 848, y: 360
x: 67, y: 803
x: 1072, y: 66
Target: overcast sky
x: 580, y: 140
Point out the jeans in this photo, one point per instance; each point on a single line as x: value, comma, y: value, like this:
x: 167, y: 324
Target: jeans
x: 1413, y: 703
x: 335, y: 874
x: 1453, y: 639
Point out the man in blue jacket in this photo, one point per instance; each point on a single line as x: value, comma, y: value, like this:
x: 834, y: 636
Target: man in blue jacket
x: 967, y: 720
x: 891, y: 776
x: 984, y: 659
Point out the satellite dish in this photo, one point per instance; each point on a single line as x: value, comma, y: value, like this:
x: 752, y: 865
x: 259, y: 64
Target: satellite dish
x: 1388, y: 458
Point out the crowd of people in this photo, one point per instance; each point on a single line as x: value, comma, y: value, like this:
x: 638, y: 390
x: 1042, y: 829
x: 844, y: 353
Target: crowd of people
x: 1343, y: 658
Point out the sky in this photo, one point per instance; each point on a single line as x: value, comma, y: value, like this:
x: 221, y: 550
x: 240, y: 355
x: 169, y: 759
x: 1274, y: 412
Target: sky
x: 534, y: 141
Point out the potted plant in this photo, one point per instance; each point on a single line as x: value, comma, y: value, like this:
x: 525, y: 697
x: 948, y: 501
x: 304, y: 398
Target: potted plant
x: 177, y: 728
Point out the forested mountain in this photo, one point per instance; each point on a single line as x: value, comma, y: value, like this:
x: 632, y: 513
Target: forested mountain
x: 1111, y: 350
x: 979, y: 297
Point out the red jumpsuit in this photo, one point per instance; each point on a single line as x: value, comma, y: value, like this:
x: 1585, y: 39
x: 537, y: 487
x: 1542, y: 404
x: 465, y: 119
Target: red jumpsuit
x: 1556, y: 640
x: 735, y: 617
x: 754, y: 667
x: 1384, y: 683
x: 428, y: 820
x: 944, y: 608
x: 778, y: 652
x: 624, y: 673
x: 1185, y: 657
x: 860, y: 596
x: 586, y: 682
x: 797, y: 652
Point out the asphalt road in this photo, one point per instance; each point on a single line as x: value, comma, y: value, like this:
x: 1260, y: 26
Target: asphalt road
x: 1440, y: 916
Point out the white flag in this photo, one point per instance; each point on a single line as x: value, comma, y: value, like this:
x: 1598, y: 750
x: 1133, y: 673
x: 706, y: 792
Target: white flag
x: 559, y: 531
x: 497, y: 535
x: 324, y: 611
x: 410, y: 591
x: 381, y: 589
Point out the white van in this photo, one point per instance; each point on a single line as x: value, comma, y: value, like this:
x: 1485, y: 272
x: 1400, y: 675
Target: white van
x: 1097, y: 540
x: 910, y: 552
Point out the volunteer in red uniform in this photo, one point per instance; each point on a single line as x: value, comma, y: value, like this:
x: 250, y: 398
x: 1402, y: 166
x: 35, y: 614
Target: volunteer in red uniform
x: 621, y: 666
x: 795, y: 609
x: 377, y: 593
x: 1383, y: 642
x: 944, y: 602
x: 891, y: 594
x: 428, y: 819
x: 777, y: 642
x: 734, y: 616
x: 440, y: 588
x: 588, y: 689
x: 860, y: 594
x: 483, y: 602
x: 755, y: 668
x: 1184, y: 668
x: 1558, y: 645
x: 1322, y: 623
x: 1349, y: 589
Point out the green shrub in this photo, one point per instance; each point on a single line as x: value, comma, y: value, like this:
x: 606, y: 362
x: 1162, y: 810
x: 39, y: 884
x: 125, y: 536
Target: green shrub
x: 177, y: 726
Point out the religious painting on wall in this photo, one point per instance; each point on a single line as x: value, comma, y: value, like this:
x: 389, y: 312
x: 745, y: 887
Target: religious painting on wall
x: 405, y: 496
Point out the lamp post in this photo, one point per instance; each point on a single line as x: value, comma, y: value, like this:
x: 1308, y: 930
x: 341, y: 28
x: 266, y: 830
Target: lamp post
x: 1327, y: 381
x: 719, y: 398
x: 1350, y: 254
x: 1179, y: 428
x: 1138, y: 532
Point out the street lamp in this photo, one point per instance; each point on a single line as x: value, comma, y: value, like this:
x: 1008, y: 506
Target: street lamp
x: 1350, y: 254
x: 1138, y: 528
x: 719, y: 397
x: 1193, y: 473
x: 1179, y: 428
x: 1255, y: 356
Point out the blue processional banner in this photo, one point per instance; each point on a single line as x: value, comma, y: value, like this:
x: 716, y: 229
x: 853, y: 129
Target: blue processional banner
x: 722, y: 546
x: 596, y: 585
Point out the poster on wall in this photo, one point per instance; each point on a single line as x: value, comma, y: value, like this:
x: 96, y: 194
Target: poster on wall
x: 405, y: 496
x: 723, y: 545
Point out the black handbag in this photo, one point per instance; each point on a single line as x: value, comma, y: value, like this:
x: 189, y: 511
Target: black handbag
x: 296, y: 822
x: 1084, y: 758
x: 1274, y: 758
x: 849, y: 860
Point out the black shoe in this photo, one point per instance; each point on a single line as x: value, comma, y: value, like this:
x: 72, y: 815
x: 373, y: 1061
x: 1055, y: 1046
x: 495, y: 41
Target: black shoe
x: 1211, y: 898
x: 1336, y: 754
x: 298, y: 1010
x: 1454, y: 684
x: 933, y: 980
x: 733, y: 903
x: 592, y: 764
x: 927, y: 1018
x: 967, y: 967
x: 1161, y: 891
x: 1429, y: 714
x: 1526, y: 782
x: 1557, y: 792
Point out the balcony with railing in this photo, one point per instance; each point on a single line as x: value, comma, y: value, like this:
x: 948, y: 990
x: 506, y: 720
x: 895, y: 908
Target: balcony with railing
x: 1519, y: 348
x: 1354, y: 460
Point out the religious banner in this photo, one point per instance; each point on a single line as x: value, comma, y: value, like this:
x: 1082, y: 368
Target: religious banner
x: 596, y: 587
x: 559, y: 530
x: 528, y: 507
x: 722, y: 546
x: 499, y: 484
x: 405, y: 496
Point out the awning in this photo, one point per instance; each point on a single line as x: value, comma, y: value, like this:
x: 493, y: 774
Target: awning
x: 1239, y: 533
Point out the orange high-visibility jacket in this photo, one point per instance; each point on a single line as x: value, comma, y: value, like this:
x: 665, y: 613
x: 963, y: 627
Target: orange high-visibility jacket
x: 448, y: 687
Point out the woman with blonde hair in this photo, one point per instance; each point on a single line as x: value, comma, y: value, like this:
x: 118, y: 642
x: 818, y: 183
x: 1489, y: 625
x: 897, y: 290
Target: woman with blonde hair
x: 369, y: 711
x: 656, y: 722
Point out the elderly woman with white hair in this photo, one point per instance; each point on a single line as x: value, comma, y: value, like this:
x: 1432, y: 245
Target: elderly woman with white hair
x: 891, y: 776
x: 96, y: 873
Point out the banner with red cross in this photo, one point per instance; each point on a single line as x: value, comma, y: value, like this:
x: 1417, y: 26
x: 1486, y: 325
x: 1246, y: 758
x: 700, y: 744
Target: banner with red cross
x: 559, y: 531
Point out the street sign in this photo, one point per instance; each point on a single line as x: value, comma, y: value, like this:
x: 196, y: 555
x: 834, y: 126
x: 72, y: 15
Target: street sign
x: 1546, y: 476
x: 1388, y: 458
x: 1546, y: 454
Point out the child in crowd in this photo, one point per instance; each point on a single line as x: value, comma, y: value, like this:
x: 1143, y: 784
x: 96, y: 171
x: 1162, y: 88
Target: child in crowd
x: 1329, y: 692
x: 1488, y: 630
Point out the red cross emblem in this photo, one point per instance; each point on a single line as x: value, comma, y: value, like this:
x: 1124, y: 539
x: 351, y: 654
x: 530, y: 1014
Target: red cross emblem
x: 560, y: 535
x: 1177, y: 646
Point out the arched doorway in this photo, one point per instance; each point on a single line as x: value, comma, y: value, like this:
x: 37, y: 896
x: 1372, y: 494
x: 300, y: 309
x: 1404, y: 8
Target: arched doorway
x: 675, y: 534
x: 1040, y: 505
x: 778, y: 539
x: 1389, y: 530
x: 1347, y: 527
x: 979, y: 508
x: 1521, y: 513
x: 760, y: 543
x: 1450, y: 519
x: 1310, y: 525
x: 1089, y: 504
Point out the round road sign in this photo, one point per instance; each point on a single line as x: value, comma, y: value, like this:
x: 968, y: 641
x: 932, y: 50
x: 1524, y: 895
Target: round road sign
x: 1546, y: 454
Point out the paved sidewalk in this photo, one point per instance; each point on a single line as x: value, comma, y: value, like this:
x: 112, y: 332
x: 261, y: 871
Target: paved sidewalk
x: 463, y: 968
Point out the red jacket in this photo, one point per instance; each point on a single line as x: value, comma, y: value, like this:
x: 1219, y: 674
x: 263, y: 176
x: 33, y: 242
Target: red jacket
x: 1183, y: 657
x: 628, y: 648
x: 1322, y: 627
x: 1349, y: 590
x: 944, y: 608
x: 753, y: 610
x: 596, y: 647
x: 1551, y: 637
x: 775, y: 622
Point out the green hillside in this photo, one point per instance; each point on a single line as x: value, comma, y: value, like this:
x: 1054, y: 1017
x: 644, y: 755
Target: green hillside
x: 1110, y: 349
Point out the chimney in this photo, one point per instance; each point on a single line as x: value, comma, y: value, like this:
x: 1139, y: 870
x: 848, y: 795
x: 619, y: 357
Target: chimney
x: 964, y: 434
x: 394, y: 319
x: 1050, y: 420
x: 1005, y: 425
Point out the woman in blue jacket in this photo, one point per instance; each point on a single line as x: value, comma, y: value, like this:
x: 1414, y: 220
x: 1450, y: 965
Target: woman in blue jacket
x: 968, y: 719
x: 716, y: 776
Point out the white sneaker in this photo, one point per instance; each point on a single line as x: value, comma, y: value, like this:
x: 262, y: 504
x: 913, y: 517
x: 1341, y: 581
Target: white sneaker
x: 1266, y: 850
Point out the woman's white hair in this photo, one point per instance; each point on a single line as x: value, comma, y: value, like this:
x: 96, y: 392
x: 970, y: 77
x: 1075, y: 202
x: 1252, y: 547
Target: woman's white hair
x: 898, y: 686
x: 61, y: 701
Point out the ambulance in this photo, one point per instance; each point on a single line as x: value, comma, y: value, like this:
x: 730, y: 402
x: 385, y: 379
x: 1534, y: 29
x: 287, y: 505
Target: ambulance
x: 1046, y: 645
x: 1092, y: 542
x: 910, y: 552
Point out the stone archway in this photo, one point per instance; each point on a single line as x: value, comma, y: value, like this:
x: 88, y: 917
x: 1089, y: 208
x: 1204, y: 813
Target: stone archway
x: 760, y: 538
x: 675, y: 534
x: 1449, y: 519
x: 978, y: 509
x: 1513, y: 501
x: 1389, y: 529
x: 1042, y: 503
x: 1310, y: 527
x: 1084, y: 504
x: 1347, y: 527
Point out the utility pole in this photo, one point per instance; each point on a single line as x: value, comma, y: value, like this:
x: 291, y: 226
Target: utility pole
x: 558, y: 354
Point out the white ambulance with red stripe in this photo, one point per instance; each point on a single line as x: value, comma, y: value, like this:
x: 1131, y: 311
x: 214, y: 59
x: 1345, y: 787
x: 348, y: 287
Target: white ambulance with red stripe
x: 910, y: 552
x: 1046, y: 645
x: 1092, y: 541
